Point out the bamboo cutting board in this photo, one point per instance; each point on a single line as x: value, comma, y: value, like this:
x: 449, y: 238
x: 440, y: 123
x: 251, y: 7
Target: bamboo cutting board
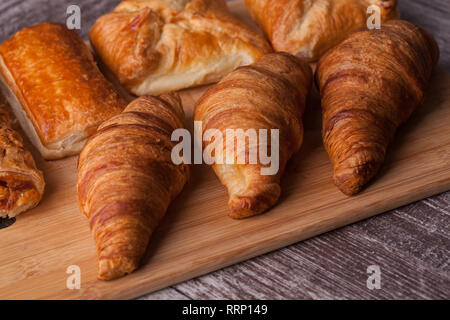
x: 196, y: 236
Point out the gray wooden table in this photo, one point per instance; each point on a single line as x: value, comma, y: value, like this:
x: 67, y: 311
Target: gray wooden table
x: 411, y: 244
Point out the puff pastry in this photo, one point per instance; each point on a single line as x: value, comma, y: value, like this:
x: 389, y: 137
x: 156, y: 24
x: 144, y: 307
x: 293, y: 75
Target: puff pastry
x: 21, y: 183
x: 308, y: 28
x: 155, y: 46
x: 269, y: 94
x: 126, y: 180
x: 55, y: 89
x: 369, y: 85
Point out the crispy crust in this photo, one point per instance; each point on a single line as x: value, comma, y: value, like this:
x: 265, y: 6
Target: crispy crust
x: 156, y: 46
x: 309, y: 28
x: 370, y: 84
x: 55, y: 89
x: 269, y: 94
x: 21, y: 183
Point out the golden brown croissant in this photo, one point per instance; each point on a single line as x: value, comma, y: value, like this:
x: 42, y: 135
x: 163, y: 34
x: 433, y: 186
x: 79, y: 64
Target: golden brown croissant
x: 126, y: 180
x: 269, y: 94
x: 21, y: 183
x: 369, y: 85
x: 155, y: 46
x: 309, y: 28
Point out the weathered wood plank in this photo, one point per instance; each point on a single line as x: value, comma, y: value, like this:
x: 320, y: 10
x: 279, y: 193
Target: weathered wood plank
x: 165, y: 294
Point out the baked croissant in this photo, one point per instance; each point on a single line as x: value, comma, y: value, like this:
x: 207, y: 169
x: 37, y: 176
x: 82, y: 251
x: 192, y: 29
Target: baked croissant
x: 126, y: 180
x: 369, y: 85
x: 309, y: 28
x: 155, y: 46
x: 21, y: 183
x: 269, y: 94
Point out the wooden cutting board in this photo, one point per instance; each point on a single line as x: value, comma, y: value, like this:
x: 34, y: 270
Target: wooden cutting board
x: 196, y: 236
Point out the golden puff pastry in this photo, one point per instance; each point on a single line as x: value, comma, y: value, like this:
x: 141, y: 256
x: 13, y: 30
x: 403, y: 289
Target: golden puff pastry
x: 126, y: 180
x: 308, y: 28
x: 268, y: 94
x: 21, y: 183
x: 156, y: 46
x: 55, y: 88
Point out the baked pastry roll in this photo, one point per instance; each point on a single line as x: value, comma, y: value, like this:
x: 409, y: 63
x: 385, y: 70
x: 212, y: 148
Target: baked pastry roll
x: 269, y: 94
x: 126, y: 180
x: 21, y: 183
x: 308, y: 29
x: 55, y: 89
x: 369, y: 85
x: 156, y: 46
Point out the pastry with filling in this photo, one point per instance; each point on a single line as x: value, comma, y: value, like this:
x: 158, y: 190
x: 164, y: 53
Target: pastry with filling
x: 55, y: 89
x: 156, y: 46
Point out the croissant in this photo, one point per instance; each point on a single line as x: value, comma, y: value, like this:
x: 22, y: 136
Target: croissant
x: 126, y: 180
x: 369, y: 85
x: 308, y: 29
x: 269, y: 94
x: 21, y: 183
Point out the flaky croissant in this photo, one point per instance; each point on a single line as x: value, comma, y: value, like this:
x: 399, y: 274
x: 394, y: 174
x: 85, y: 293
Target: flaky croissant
x: 369, y: 85
x: 126, y: 180
x: 269, y: 94
x: 308, y: 28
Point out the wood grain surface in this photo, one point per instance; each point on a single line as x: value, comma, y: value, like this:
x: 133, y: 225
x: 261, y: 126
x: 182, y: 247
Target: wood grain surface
x: 410, y: 244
